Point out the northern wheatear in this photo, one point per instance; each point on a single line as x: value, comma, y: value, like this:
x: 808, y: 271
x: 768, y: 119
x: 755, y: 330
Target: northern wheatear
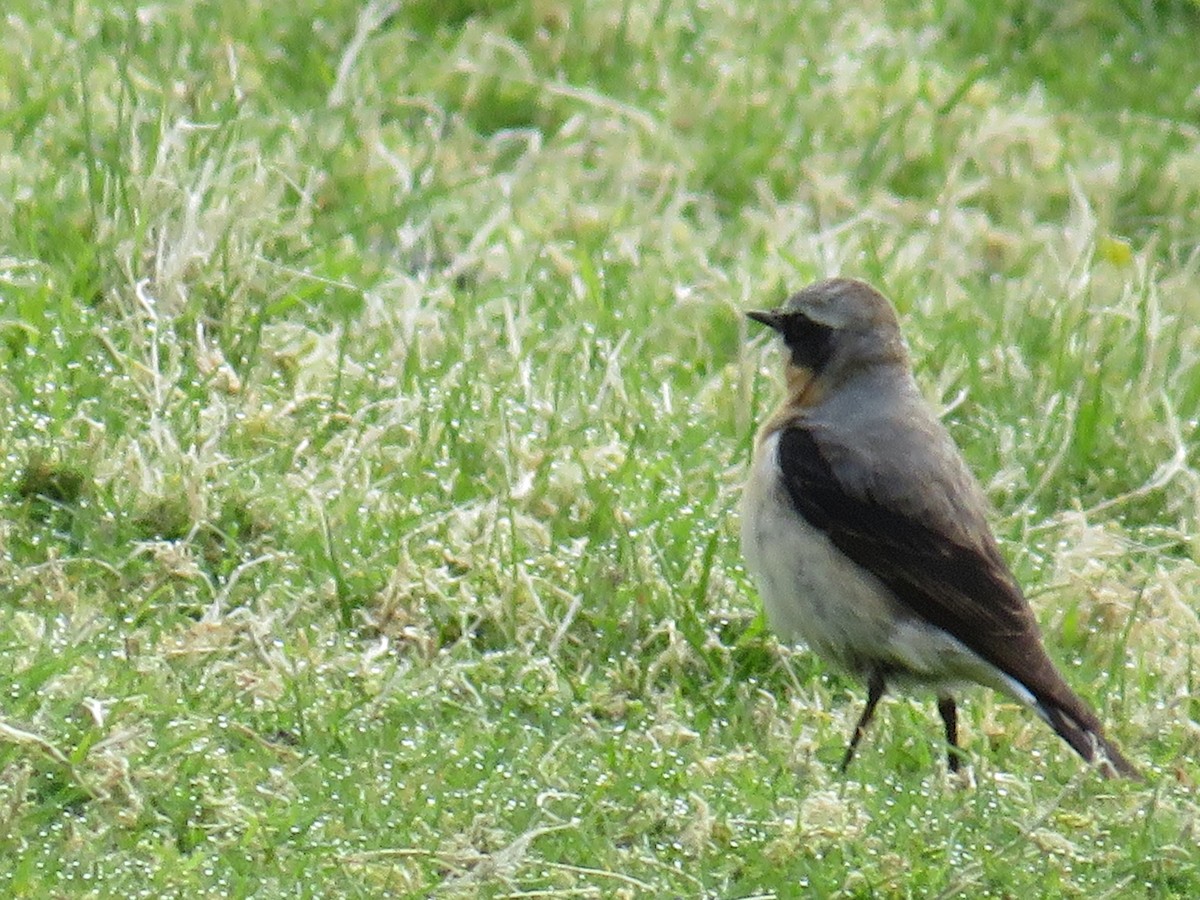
x: 868, y: 536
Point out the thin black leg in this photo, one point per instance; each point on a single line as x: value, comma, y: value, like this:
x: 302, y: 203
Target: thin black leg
x: 950, y: 716
x: 875, y: 688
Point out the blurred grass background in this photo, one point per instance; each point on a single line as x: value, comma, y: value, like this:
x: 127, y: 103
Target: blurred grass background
x: 375, y: 399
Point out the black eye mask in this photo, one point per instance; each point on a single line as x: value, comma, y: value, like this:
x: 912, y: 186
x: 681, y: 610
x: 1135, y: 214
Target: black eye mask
x: 810, y: 342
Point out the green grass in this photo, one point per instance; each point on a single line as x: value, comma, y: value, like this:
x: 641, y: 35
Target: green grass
x: 375, y: 400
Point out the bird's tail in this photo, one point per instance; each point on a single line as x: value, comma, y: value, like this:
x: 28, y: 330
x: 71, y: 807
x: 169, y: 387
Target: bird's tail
x: 1076, y: 725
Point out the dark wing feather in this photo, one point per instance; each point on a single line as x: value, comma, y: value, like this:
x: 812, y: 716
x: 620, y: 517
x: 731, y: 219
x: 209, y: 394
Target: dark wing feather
x: 948, y: 572
x: 961, y: 586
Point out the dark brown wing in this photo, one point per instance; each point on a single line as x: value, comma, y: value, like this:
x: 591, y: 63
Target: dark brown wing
x: 948, y: 575
x: 964, y: 589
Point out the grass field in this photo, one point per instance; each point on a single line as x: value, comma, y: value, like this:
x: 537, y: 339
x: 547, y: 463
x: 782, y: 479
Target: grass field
x: 375, y: 399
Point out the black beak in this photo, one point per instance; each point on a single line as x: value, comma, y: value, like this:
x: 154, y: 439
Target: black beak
x: 771, y: 319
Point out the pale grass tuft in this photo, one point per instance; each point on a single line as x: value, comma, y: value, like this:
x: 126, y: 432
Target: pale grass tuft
x: 825, y: 815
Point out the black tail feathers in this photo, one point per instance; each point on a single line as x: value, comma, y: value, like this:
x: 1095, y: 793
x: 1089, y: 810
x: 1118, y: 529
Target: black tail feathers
x: 1082, y: 731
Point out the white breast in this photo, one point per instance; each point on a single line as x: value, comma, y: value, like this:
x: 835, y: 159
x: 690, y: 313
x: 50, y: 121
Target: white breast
x: 812, y: 593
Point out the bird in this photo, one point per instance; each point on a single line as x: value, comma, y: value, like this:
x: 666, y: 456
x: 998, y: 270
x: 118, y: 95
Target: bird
x: 867, y: 534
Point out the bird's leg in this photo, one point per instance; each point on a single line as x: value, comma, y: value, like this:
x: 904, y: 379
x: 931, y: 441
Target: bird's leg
x: 949, y: 714
x: 875, y: 688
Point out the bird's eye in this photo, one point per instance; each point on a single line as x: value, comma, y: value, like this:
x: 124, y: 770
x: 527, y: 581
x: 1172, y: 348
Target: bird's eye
x: 811, y: 343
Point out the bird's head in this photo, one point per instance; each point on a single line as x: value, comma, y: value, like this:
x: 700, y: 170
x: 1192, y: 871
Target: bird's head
x: 834, y: 329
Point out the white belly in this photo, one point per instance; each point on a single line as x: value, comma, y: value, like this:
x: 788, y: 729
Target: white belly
x: 811, y: 592
x: 814, y: 594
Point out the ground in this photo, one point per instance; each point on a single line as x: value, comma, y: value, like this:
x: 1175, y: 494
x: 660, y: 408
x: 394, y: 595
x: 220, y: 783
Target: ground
x: 376, y: 397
